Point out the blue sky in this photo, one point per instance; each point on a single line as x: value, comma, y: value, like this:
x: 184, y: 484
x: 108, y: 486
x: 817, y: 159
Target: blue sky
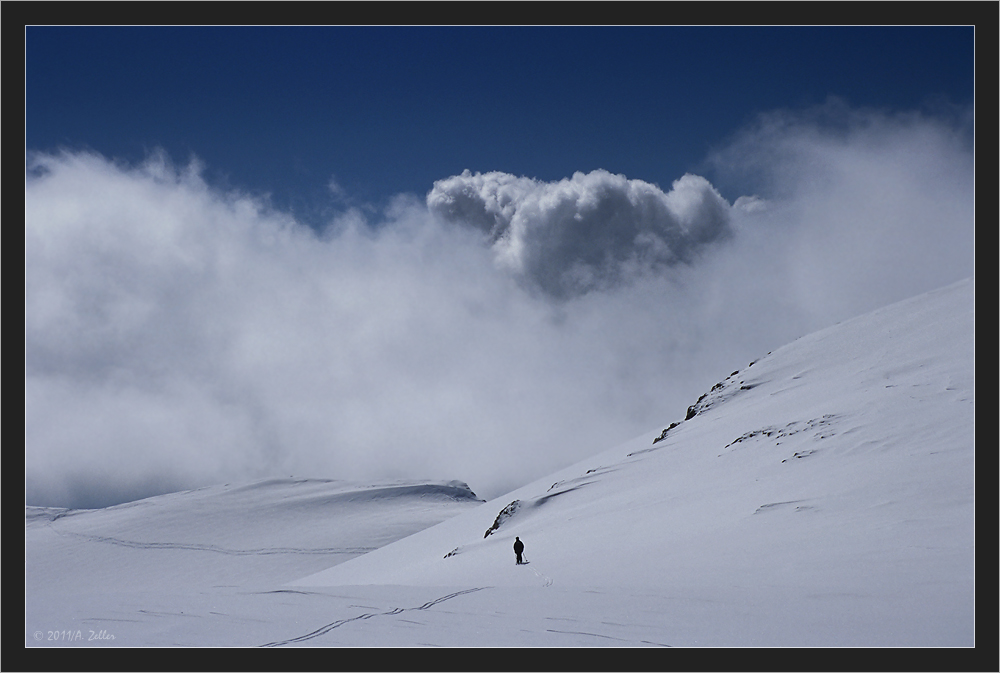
x: 455, y: 253
x: 383, y: 110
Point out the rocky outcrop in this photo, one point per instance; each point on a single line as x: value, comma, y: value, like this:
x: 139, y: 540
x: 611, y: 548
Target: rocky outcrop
x: 504, y: 514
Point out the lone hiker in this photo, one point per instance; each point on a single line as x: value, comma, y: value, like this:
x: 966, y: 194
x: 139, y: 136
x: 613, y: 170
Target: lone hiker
x: 518, y: 549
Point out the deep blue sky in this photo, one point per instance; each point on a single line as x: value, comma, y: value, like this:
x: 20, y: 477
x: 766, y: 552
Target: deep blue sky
x: 391, y: 109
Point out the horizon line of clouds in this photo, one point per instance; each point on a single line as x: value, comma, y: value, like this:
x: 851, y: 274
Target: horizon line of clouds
x: 177, y: 335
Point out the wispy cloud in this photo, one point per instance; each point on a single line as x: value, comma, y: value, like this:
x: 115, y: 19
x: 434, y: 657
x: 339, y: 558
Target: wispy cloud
x: 868, y: 206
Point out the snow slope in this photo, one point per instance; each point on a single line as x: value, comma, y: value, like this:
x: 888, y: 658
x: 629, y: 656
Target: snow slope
x: 824, y: 495
x: 113, y: 564
x: 835, y: 475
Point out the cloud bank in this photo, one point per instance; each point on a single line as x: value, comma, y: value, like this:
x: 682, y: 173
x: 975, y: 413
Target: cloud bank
x: 178, y: 336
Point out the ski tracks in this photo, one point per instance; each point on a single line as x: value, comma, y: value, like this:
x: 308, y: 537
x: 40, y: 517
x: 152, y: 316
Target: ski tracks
x: 135, y: 544
x: 601, y: 635
x: 546, y: 580
x: 395, y: 611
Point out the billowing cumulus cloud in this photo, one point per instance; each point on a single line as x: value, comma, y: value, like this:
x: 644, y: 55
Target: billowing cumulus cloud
x: 591, y: 231
x: 177, y: 336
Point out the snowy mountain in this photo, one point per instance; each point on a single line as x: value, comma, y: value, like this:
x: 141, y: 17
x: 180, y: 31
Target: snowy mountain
x: 822, y: 496
x: 117, y: 563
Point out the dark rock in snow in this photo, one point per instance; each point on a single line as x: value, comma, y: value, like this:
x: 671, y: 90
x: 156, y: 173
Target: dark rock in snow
x: 504, y: 514
x: 663, y: 435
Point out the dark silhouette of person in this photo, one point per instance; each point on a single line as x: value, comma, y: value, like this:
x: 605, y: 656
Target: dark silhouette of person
x: 518, y: 549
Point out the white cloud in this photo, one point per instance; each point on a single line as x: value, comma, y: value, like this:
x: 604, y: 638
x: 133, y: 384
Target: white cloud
x: 176, y: 336
x: 868, y: 207
x: 591, y: 231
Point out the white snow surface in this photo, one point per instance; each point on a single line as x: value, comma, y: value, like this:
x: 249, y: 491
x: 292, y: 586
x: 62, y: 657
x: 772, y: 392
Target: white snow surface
x: 822, y: 496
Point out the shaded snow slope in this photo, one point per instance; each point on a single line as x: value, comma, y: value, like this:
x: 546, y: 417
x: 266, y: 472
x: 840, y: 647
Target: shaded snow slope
x: 232, y: 534
x: 240, y: 535
x: 837, y: 473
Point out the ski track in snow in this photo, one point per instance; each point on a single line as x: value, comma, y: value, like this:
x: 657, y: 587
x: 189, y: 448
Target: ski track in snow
x: 546, y: 580
x: 368, y: 615
x: 135, y: 544
x: 600, y: 635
